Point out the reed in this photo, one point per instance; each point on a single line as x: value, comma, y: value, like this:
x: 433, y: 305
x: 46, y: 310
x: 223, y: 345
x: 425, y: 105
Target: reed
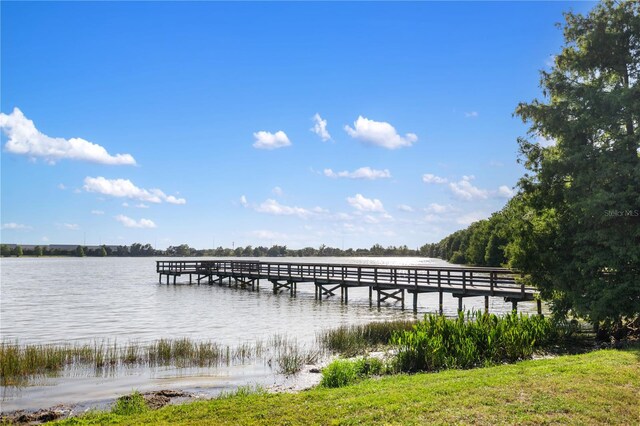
x: 352, y: 340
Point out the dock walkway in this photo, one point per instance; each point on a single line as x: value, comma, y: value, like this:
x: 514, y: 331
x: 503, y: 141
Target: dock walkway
x: 388, y: 281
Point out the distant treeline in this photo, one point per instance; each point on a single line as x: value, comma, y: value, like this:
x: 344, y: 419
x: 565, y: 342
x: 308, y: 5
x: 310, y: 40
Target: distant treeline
x: 184, y: 250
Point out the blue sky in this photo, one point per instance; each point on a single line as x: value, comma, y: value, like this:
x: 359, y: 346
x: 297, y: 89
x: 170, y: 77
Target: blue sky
x: 345, y: 124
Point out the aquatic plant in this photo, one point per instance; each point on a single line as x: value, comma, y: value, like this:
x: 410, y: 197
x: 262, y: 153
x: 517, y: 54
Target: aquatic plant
x: 351, y: 340
x: 471, y: 340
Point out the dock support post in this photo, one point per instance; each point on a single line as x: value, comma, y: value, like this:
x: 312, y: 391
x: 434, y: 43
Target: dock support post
x: 174, y: 279
x: 167, y: 279
x: 346, y: 295
x: 190, y: 282
x: 370, y: 296
x: 378, y: 299
x: 539, y: 305
x: 486, y: 304
x: 415, y: 301
x: 341, y: 294
x: 440, y: 307
x: 160, y: 278
x: 514, y: 306
x: 402, y: 301
x: 459, y: 304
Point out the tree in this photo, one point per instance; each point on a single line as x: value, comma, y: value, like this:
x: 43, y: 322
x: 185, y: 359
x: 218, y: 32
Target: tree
x: 579, y: 240
x: 18, y: 251
x: 103, y: 251
x: 37, y: 251
x: 80, y: 251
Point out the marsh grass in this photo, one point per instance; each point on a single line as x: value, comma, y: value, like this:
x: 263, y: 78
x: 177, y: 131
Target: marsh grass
x: 21, y: 363
x: 352, y: 340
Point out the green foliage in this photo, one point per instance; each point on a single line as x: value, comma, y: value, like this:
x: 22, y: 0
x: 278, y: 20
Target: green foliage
x: 18, y: 251
x: 353, y: 340
x: 130, y: 404
x: 478, y: 339
x: 38, y: 251
x: 579, y: 240
x: 344, y: 372
x: 80, y: 251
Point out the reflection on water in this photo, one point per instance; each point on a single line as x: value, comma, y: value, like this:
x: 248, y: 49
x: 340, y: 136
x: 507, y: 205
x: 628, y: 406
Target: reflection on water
x: 56, y: 300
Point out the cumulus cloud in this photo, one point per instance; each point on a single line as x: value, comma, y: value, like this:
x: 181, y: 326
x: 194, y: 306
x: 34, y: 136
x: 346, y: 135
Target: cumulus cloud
x: 379, y: 133
x: 463, y: 189
x: 271, y: 206
x: 277, y: 191
x: 438, y: 208
x: 71, y: 226
x: 243, y: 201
x: 361, y: 203
x: 361, y: 173
x: 431, y: 178
x: 132, y: 223
x: 471, y: 114
x: 25, y: 139
x: 267, y: 140
x: 405, y: 208
x: 505, y: 192
x: 124, y: 188
x: 320, y: 128
x: 15, y: 226
x: 61, y: 186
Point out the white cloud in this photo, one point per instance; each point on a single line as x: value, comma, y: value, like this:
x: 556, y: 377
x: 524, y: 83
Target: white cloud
x: 142, y: 206
x: 361, y: 173
x: 379, y: 133
x: 132, y: 223
x: 431, y: 178
x: 505, y: 192
x: 271, y: 206
x: 25, y: 139
x: 471, y: 114
x: 438, y: 208
x: 320, y: 128
x: 61, y: 186
x: 97, y: 212
x: 269, y: 235
x: 125, y: 204
x: 124, y: 188
x: 267, y: 140
x: 544, y: 142
x: 71, y: 226
x: 463, y: 189
x: 15, y: 226
x: 45, y: 239
x: 277, y: 191
x: 364, y: 204
x: 469, y: 218
x: 405, y: 208
x: 243, y: 201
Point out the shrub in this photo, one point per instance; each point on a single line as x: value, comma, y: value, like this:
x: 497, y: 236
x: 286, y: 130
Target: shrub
x: 130, y: 404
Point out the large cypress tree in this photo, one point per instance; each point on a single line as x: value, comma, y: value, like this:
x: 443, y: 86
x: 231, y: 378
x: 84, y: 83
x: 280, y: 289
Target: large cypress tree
x: 579, y: 241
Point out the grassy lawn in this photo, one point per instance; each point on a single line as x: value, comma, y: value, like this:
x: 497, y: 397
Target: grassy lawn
x: 599, y: 387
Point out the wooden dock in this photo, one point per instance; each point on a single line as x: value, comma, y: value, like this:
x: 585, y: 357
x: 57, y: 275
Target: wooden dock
x: 388, y: 281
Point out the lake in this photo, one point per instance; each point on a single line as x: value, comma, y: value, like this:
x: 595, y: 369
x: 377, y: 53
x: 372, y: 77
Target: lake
x: 61, y: 300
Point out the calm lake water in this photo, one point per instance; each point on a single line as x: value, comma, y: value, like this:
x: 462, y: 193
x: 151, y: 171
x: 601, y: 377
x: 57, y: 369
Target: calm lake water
x: 59, y: 300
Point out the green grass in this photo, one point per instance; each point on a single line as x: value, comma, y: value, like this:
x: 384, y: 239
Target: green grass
x: 601, y: 387
x: 351, y: 340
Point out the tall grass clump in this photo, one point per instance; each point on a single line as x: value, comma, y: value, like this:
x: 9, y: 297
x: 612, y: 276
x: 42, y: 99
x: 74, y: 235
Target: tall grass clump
x: 471, y: 340
x: 344, y: 372
x: 130, y: 404
x: 354, y: 340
